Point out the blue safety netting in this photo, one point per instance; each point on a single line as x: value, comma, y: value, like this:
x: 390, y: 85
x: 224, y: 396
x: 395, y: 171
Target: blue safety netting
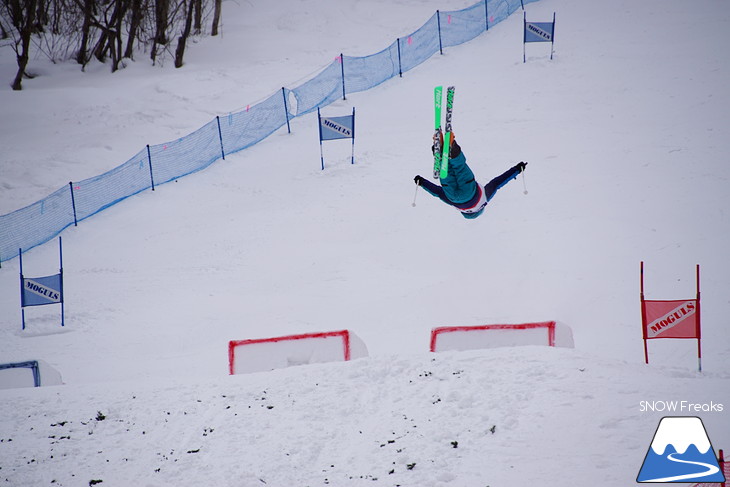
x: 244, y: 129
x: 321, y: 90
x: 157, y: 164
x: 94, y: 194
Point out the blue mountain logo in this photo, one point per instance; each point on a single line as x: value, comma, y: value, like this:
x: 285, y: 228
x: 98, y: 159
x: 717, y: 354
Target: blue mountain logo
x: 680, y: 452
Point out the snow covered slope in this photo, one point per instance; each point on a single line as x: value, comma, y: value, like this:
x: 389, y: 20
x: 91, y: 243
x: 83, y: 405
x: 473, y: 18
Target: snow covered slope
x: 469, y: 419
x: 626, y: 133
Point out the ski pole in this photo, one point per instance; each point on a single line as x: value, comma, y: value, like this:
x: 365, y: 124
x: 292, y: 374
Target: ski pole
x: 418, y: 185
x: 524, y: 185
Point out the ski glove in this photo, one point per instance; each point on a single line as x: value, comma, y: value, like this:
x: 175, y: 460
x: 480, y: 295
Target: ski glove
x: 521, y: 166
x: 439, y: 137
x: 418, y: 180
x: 454, y: 150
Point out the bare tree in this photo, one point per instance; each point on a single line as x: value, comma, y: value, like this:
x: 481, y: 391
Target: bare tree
x: 162, y: 11
x: 41, y: 16
x: 107, y: 30
x: 134, y: 25
x: 216, y: 17
x: 198, y: 26
x: 183, y: 39
x: 87, y: 11
x: 115, y: 36
x: 3, y: 32
x: 21, y: 14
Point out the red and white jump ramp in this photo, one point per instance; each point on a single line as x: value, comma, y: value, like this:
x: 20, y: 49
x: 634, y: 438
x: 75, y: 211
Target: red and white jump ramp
x: 258, y: 355
x: 462, y: 338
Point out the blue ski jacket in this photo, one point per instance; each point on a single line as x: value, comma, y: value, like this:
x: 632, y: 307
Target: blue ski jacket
x: 460, y: 188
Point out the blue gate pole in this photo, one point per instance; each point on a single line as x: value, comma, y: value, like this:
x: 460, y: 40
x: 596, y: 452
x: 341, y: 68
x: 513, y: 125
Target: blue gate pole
x: 321, y: 153
x: 149, y: 161
x: 73, y: 202
x: 22, y: 290
x: 486, y: 12
x: 286, y: 110
x: 60, y: 265
x: 353, y: 135
x: 552, y: 38
x: 220, y: 136
x: 524, y: 36
x: 438, y: 22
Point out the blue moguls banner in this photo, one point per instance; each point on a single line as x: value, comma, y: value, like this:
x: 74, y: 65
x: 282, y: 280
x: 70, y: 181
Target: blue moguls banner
x: 332, y: 128
x: 539, y: 31
x: 38, y: 291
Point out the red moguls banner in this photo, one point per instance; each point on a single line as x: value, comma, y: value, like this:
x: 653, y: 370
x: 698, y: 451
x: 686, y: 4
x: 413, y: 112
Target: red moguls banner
x: 678, y: 318
x: 672, y: 319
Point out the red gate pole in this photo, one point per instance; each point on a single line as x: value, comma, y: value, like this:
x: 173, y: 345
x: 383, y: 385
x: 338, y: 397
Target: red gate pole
x: 722, y: 467
x: 698, y: 330
x: 643, y: 316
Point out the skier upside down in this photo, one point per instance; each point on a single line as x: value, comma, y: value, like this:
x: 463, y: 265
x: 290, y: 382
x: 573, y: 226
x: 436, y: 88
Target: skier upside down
x: 460, y: 189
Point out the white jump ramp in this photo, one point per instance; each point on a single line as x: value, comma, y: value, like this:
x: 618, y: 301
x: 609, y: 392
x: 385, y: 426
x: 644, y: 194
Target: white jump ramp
x: 30, y: 373
x: 259, y: 355
x: 460, y: 338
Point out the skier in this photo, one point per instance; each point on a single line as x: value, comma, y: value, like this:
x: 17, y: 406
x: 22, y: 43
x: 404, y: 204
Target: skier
x: 460, y: 189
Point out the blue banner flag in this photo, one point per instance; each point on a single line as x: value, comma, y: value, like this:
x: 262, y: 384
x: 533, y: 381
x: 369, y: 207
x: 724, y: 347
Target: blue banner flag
x: 333, y: 128
x: 539, y: 31
x: 38, y: 291
x: 337, y: 127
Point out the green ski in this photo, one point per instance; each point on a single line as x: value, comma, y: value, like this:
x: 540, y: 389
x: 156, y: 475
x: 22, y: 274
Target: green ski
x: 437, y: 97
x: 447, y: 136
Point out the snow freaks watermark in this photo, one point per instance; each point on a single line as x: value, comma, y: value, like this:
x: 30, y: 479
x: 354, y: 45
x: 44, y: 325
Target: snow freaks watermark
x: 680, y: 407
x: 681, y: 452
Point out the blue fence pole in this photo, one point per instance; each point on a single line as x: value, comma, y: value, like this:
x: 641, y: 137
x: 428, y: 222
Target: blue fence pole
x: 486, y: 12
x: 400, y: 67
x: 73, y: 202
x: 438, y: 23
x: 149, y: 162
x: 286, y: 110
x: 220, y: 136
x: 342, y: 70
